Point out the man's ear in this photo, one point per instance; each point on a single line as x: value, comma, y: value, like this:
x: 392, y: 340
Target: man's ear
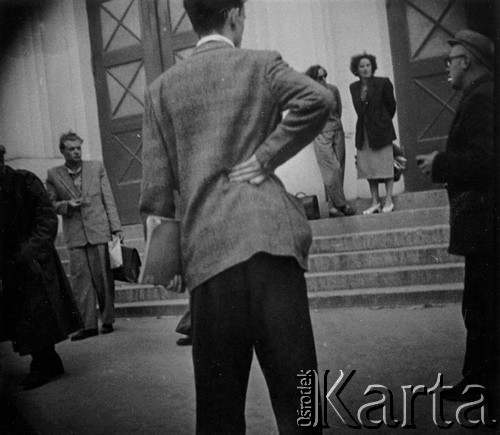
x: 232, y: 16
x: 467, y: 61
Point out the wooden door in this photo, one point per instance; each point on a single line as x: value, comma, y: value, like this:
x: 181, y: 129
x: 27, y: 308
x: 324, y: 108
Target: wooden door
x: 133, y: 41
x: 419, y: 33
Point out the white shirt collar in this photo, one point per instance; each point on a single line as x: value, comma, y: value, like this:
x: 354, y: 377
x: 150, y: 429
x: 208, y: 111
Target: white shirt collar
x: 214, y: 37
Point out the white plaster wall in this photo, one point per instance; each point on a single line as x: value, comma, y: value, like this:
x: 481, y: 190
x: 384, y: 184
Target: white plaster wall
x: 326, y: 32
x: 48, y: 89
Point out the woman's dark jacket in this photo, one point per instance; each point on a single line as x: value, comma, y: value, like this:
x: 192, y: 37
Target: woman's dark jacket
x: 376, y: 113
x: 37, y: 307
x: 467, y: 167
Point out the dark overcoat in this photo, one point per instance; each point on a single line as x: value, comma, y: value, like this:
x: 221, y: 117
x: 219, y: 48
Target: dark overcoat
x: 376, y: 113
x: 37, y: 306
x: 467, y: 167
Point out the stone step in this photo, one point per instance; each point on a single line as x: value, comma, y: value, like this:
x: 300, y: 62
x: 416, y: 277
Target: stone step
x: 341, y: 258
x: 395, y: 238
x: 380, y: 258
x: 365, y: 297
x: 140, y: 292
x: 319, y: 282
x: 399, y: 276
x: 174, y: 307
x: 405, y: 201
x: 381, y: 221
x: 384, y: 297
x: 408, y: 228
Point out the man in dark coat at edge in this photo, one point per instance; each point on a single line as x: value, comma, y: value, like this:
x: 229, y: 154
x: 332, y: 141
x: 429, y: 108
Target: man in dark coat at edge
x: 467, y: 167
x: 37, y: 308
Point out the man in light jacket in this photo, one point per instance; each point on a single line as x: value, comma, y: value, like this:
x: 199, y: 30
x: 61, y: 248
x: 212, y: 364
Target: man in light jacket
x: 80, y: 192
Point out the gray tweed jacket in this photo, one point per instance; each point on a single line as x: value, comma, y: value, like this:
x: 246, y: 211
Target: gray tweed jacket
x: 207, y: 114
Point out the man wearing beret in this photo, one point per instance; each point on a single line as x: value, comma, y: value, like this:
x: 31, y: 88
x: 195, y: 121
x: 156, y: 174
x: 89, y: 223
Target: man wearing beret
x: 213, y: 131
x: 467, y: 168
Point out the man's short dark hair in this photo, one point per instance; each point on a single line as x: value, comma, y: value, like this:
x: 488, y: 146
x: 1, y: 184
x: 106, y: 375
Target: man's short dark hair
x: 356, y: 59
x: 68, y: 136
x: 209, y: 15
x: 313, y: 71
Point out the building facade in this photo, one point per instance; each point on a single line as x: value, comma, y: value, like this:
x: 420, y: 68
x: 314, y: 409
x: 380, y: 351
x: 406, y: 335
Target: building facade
x: 83, y: 66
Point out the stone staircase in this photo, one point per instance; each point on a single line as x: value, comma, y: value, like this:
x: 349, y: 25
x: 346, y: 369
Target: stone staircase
x: 377, y: 260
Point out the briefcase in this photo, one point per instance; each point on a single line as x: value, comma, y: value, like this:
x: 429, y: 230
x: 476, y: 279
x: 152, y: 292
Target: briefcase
x: 131, y: 267
x: 310, y: 204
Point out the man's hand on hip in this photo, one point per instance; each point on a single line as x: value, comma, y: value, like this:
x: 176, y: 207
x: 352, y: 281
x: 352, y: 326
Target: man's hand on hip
x: 250, y: 171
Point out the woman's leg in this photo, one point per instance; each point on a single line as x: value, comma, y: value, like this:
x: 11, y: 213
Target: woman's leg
x: 388, y: 205
x: 375, y: 206
x: 374, y: 192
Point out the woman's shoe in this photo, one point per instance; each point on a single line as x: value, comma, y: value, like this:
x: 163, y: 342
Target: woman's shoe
x: 373, y: 209
x: 388, y: 208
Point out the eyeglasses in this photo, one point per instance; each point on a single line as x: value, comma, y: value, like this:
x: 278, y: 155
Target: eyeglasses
x: 448, y: 59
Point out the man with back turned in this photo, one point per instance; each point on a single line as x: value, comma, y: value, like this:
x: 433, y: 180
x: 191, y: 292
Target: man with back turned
x: 213, y: 131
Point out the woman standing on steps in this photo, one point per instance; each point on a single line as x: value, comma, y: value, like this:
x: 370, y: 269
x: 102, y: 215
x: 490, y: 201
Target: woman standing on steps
x: 375, y: 105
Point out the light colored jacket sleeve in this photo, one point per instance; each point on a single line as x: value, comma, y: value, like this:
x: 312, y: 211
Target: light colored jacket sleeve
x: 159, y: 162
x: 308, y: 104
x: 108, y: 200
x: 60, y: 205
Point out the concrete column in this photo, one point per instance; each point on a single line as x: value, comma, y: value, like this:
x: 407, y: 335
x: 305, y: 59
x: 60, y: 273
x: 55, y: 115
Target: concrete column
x: 48, y: 88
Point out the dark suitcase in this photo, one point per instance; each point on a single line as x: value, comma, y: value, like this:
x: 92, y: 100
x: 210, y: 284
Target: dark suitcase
x: 129, y: 271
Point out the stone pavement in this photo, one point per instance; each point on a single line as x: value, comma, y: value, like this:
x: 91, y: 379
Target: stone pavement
x: 137, y: 380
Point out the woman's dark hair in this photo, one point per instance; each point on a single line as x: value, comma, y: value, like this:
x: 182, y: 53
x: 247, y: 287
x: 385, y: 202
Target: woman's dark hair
x: 209, y: 15
x: 356, y: 59
x: 313, y: 71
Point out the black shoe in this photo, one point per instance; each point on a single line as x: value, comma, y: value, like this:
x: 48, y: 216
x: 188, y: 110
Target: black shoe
x: 83, y: 334
x: 107, y: 329
x: 348, y: 210
x: 184, y: 341
x: 456, y: 393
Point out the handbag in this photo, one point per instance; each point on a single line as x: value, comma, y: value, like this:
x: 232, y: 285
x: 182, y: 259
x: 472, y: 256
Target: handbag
x: 399, y: 162
x: 310, y: 204
x: 131, y: 267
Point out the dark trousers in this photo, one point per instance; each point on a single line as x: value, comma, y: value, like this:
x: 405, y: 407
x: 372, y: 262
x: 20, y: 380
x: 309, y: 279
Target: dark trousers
x: 480, y: 312
x: 259, y: 304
